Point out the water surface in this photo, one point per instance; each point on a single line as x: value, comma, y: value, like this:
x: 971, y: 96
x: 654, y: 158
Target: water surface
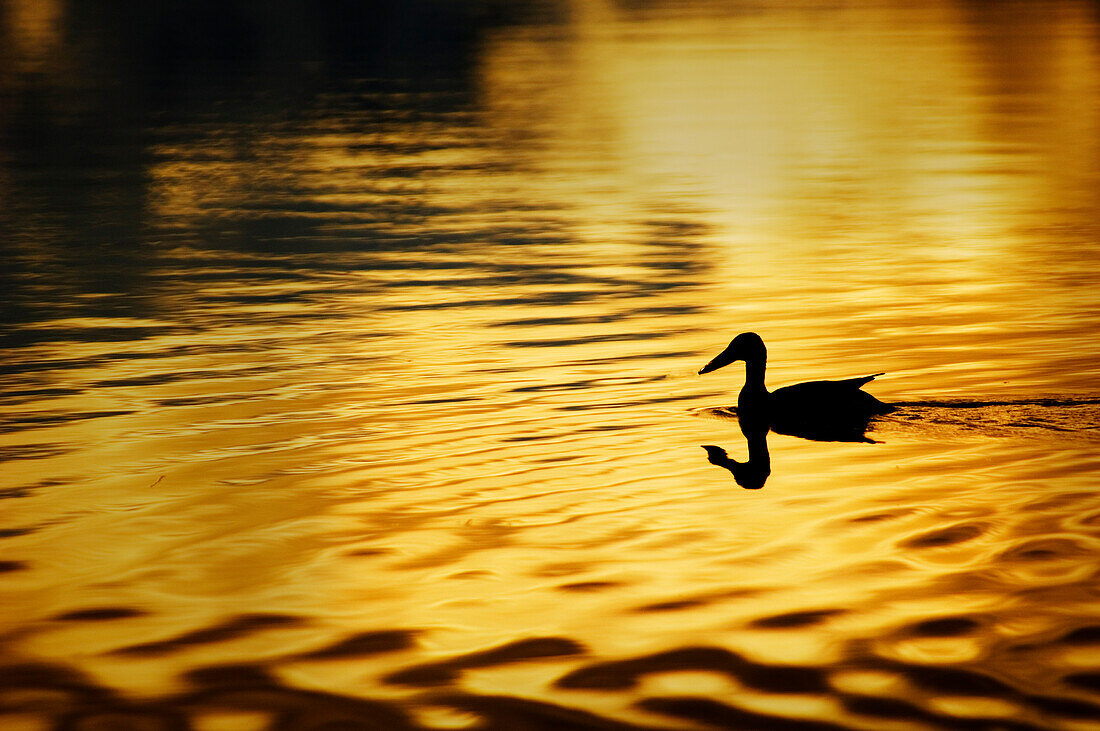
x: 354, y: 394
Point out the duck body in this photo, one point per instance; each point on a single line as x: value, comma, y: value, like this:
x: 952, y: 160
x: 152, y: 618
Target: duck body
x: 825, y: 410
x: 829, y: 397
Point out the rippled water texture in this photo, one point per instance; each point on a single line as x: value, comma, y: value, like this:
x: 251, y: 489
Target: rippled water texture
x: 349, y: 365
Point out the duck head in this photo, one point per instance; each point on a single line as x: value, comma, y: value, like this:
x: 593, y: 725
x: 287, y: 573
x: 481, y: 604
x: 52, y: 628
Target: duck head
x: 746, y: 346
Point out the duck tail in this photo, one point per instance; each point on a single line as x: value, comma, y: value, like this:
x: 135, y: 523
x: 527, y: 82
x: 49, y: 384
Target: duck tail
x: 858, y: 382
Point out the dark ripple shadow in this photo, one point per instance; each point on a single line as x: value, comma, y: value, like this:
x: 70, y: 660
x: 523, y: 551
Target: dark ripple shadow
x: 234, y: 628
x: 362, y: 645
x: 1087, y: 635
x: 127, y: 717
x: 589, y: 586
x: 589, y: 383
x: 447, y: 671
x: 673, y: 605
x: 947, y: 680
x: 15, y: 397
x: 698, y: 600
x: 100, y: 614
x: 73, y: 685
x: 24, y: 491
x: 40, y: 420
x: 1047, y: 549
x: 584, y: 340
x: 160, y: 379
x: 436, y: 401
x: 1088, y: 681
x: 721, y: 715
x: 636, y: 356
x: 118, y: 334
x: 33, y: 451
x: 224, y: 398
x: 795, y: 620
x: 942, y: 627
x: 942, y: 537
x: 893, y: 708
x: 625, y: 404
x: 254, y: 688
x: 1066, y: 707
x: 93, y: 362
x: 596, y: 319
x: 625, y: 674
x: 561, y: 320
x: 881, y: 516
x: 505, y: 713
x: 550, y: 298
x: 231, y: 676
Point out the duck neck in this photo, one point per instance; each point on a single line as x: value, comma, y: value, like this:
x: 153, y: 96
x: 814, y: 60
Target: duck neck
x: 754, y: 375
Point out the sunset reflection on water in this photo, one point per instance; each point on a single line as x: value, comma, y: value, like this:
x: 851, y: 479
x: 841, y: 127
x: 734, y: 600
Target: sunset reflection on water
x: 354, y: 396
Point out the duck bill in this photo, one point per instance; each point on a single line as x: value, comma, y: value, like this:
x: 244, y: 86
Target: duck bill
x: 724, y: 358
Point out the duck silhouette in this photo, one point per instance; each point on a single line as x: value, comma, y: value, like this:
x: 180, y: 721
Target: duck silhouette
x: 834, y: 411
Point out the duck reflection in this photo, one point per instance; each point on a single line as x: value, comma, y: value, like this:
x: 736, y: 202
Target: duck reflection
x: 827, y: 411
x: 750, y: 475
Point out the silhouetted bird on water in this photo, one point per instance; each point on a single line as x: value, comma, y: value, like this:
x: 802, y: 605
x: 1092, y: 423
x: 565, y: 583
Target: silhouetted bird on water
x: 821, y: 410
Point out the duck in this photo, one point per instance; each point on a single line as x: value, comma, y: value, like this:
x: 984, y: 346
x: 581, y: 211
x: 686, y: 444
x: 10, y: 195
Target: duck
x: 820, y: 410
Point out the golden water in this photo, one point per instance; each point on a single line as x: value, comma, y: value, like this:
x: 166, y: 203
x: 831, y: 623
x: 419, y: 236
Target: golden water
x: 377, y: 405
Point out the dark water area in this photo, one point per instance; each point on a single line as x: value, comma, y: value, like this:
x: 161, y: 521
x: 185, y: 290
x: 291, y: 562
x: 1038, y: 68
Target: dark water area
x: 349, y: 365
